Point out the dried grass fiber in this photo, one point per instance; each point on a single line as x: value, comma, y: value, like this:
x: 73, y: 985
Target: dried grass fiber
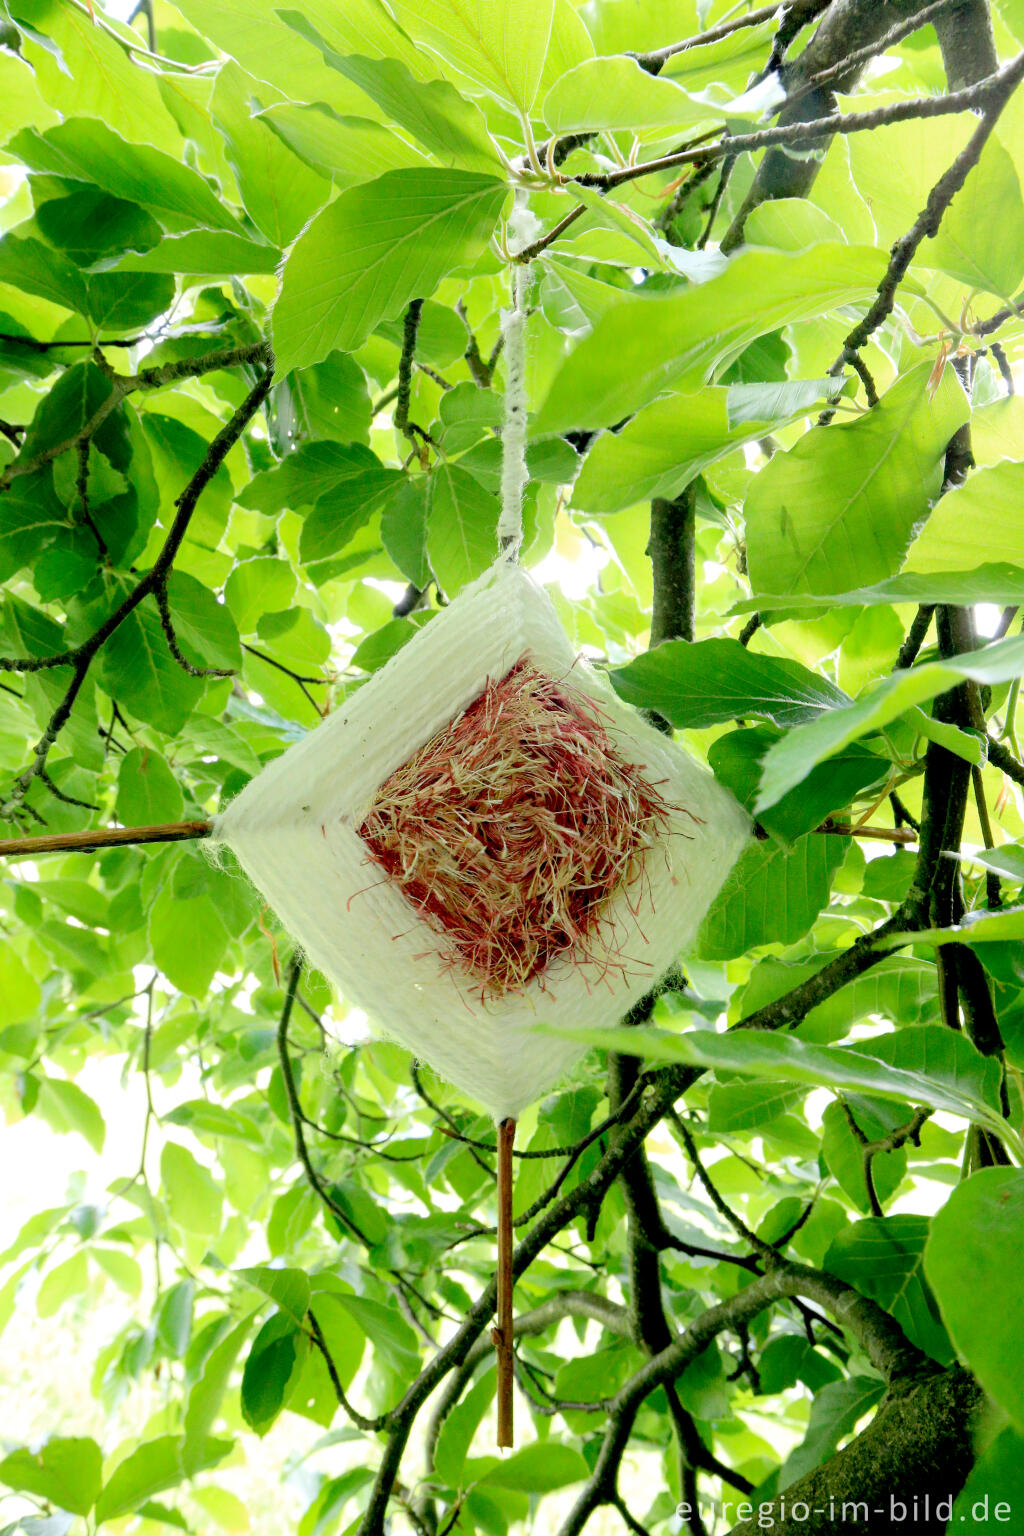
x: 513, y: 826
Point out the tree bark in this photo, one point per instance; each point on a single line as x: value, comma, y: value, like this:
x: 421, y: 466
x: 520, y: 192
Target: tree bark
x: 968, y: 47
x: 920, y: 1442
x: 847, y: 25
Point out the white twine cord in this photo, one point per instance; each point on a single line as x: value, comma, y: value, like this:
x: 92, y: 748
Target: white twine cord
x: 514, y: 473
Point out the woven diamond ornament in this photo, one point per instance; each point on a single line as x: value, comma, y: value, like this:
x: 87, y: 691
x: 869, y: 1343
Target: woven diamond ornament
x: 484, y: 839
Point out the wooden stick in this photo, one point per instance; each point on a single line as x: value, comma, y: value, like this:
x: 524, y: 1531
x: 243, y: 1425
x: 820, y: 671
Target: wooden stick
x: 104, y: 837
x: 503, y: 1332
x: 186, y: 831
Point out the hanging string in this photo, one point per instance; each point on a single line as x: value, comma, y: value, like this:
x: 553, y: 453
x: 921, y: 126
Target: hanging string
x: 514, y: 474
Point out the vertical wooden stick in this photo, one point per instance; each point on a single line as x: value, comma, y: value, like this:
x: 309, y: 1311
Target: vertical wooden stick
x: 503, y: 1332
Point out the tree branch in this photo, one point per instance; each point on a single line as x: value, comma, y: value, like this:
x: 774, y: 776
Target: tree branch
x: 671, y: 552
x: 794, y: 135
x: 123, y: 385
x: 878, y: 1334
x: 920, y: 1440
x: 655, y: 60
x: 81, y: 657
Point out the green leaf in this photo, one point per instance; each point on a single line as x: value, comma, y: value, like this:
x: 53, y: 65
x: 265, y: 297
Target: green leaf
x: 31, y: 520
x: 78, y: 396
x: 1006, y: 925
x: 66, y: 1107
x: 843, y: 1154
x: 445, y: 123
x: 781, y: 399
x: 981, y: 517
x: 174, y: 1319
x: 995, y: 1484
x: 462, y: 532
x: 147, y: 791
x: 137, y: 668
x: 203, y: 626
x: 188, y: 940
x: 614, y: 93
x: 207, y: 1394
x: 329, y: 400
x: 19, y: 991
x: 255, y: 587
x: 33, y: 267
x: 771, y: 894
x: 1007, y: 860
x: 703, y: 683
x: 539, y: 1468
x: 372, y: 250
x: 83, y: 149
x: 987, y: 583
x: 838, y: 510
x: 288, y: 1289
x: 121, y: 1268
x: 71, y: 1278
x: 154, y: 1467
x: 253, y: 32
x: 747, y: 1106
x: 340, y: 513
x: 788, y: 762
x: 966, y: 246
x: 128, y: 300
x: 306, y: 474
x: 501, y: 44
x: 784, y: 1058
x: 898, y: 988
x: 85, y: 70
x: 313, y: 1393
x: 643, y: 346
x: 66, y: 1472
x: 347, y: 149
x: 279, y: 191
x: 736, y: 762
x: 884, y: 1260
x: 458, y: 1430
x: 835, y: 1412
x: 89, y: 224
x: 661, y: 450
x: 204, y: 253
x: 334, y: 1495
x: 403, y: 528
x: 193, y: 1199
x: 386, y: 1329
x: 731, y: 59
x: 272, y: 1366
x: 973, y: 1264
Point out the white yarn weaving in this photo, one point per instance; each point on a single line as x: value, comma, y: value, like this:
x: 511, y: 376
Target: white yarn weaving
x: 294, y: 830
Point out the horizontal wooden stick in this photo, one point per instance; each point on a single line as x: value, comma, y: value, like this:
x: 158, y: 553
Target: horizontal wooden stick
x: 189, y: 831
x: 104, y: 837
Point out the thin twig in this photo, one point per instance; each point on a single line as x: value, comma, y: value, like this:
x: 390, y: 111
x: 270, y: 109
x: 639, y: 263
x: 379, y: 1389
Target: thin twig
x: 765, y: 1250
x: 926, y: 225
x: 82, y: 656
x: 795, y: 134
x: 657, y: 57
